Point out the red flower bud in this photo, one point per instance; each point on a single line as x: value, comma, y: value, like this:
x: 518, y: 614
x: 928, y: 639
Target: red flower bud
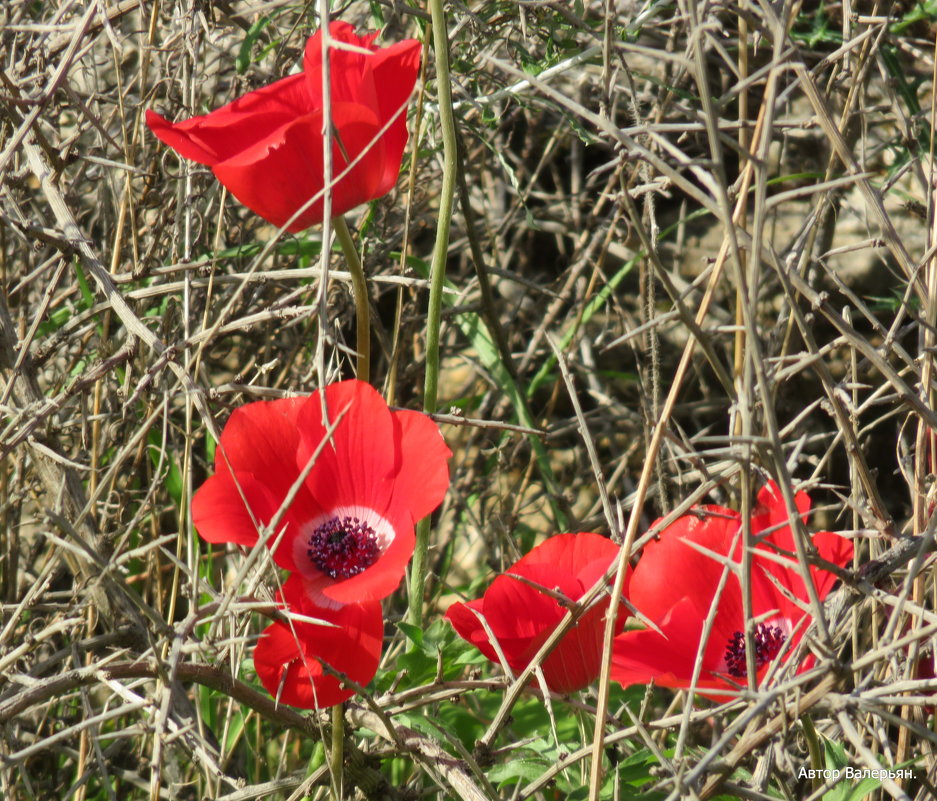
x: 267, y: 146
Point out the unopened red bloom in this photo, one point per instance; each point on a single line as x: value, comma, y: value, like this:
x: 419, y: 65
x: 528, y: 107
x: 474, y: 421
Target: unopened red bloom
x: 349, y: 531
x: 266, y: 147
x: 297, y: 660
x: 522, y: 617
x: 675, y: 583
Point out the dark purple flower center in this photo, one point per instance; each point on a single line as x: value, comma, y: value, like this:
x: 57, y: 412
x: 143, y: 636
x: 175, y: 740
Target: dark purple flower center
x: 343, y: 546
x: 767, y: 641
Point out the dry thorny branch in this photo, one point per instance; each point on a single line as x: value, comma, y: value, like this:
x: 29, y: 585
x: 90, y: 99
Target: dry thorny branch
x: 708, y: 230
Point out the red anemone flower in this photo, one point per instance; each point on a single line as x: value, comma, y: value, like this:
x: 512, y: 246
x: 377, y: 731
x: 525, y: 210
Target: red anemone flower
x: 266, y: 147
x: 293, y: 658
x: 349, y: 529
x: 522, y: 617
x: 675, y: 583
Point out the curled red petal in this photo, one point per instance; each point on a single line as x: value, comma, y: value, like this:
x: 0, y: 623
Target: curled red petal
x: 469, y: 627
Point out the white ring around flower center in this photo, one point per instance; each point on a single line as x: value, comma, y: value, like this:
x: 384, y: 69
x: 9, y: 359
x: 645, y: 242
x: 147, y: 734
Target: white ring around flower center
x: 384, y: 535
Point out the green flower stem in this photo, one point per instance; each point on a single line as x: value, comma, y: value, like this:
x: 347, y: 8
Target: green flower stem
x: 813, y: 748
x: 360, y: 290
x: 437, y: 280
x: 337, y: 752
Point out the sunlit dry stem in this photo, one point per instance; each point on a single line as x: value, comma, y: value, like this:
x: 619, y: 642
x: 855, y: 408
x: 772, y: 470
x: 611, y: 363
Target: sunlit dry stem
x: 595, y: 772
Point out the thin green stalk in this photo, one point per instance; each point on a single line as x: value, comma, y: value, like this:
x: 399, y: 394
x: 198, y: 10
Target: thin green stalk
x: 813, y: 749
x: 437, y: 279
x: 360, y: 290
x: 337, y: 753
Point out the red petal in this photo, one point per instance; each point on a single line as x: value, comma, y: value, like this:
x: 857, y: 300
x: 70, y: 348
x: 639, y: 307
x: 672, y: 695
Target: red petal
x: 833, y: 548
x: 357, y: 465
x: 522, y: 617
x: 289, y: 656
x: 373, y: 462
x: 770, y: 514
x: 251, y: 120
x: 340, y: 31
x: 259, y: 442
x: 518, y: 611
x: 668, y: 658
x: 279, y: 176
x: 519, y: 616
x: 262, y: 438
x: 350, y: 72
x: 422, y: 473
x: 469, y: 627
x: 220, y: 514
x: 585, y: 555
x: 577, y: 661
x: 382, y: 82
x: 395, y: 70
x: 266, y: 147
x: 670, y: 569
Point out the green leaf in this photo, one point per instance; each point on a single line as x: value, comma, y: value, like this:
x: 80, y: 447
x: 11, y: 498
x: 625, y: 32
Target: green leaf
x: 922, y: 12
x: 173, y: 475
x: 377, y: 13
x: 596, y: 303
x: 414, y: 633
x: 87, y: 296
x: 243, y: 60
x: 55, y: 321
x: 517, y: 769
x: 836, y: 759
x: 636, y: 768
x: 418, y: 722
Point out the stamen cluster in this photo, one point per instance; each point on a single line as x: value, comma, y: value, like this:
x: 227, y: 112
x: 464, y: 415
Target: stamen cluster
x: 767, y: 641
x: 343, y: 547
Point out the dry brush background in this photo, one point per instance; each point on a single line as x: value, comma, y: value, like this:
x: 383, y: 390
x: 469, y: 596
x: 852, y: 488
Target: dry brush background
x: 709, y: 223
